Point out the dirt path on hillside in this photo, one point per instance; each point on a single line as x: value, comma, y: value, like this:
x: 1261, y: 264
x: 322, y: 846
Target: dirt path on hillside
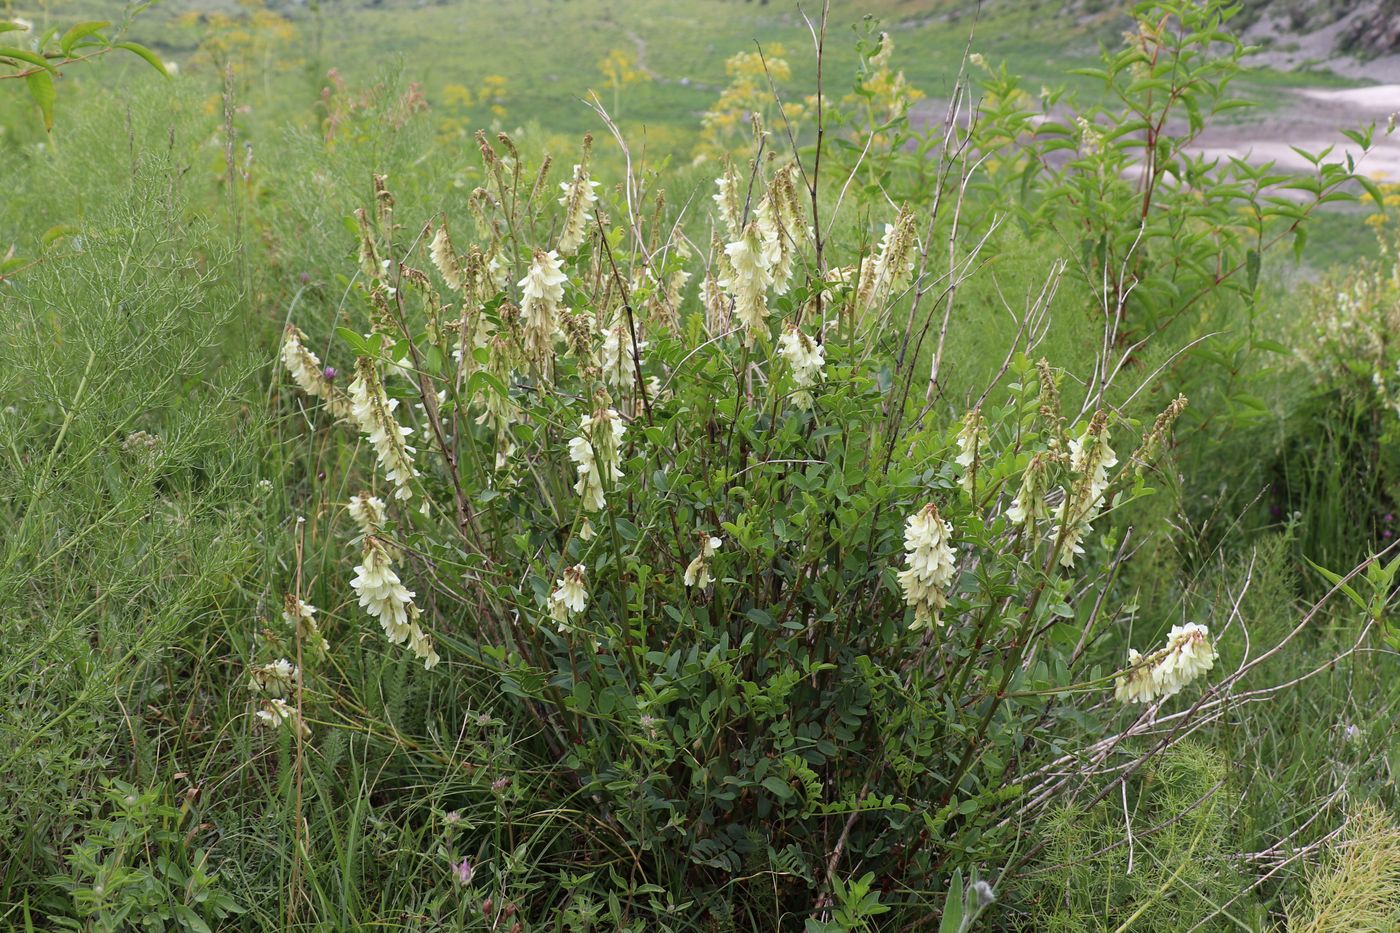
x: 1312, y: 120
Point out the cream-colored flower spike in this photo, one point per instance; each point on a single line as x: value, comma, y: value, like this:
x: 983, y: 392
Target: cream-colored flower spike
x: 729, y: 200
x: 617, y: 359
x: 1188, y: 655
x: 383, y: 595
x: 747, y: 279
x: 578, y: 198
x: 888, y: 271
x: 1090, y: 460
x: 445, y: 258
x: 368, y: 513
x: 1029, y: 507
x: 930, y: 562
x: 972, y: 448
x: 373, y: 411
x: 806, y: 357
x: 595, y: 452
x: 306, y: 370
x: 542, y: 291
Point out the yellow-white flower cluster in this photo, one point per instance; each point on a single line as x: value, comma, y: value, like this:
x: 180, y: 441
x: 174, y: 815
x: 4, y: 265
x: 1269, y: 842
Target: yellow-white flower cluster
x: 373, y: 411
x: 729, y: 201
x: 617, y: 361
x: 888, y: 271
x: 542, y: 292
x: 570, y: 596
x: 781, y: 223
x: 595, y: 452
x: 972, y: 447
x: 383, y: 595
x: 368, y: 513
x: 278, y: 712
x: 306, y: 370
x: 578, y: 198
x: 1090, y: 460
x: 1029, y: 506
x: 275, y: 679
x: 444, y: 257
x: 697, y: 572
x: 1188, y: 654
x: 747, y: 276
x: 806, y: 357
x: 930, y: 561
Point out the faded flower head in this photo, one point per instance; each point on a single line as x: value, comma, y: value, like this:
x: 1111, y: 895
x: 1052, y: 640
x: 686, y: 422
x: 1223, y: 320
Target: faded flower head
x: 275, y: 679
x: 277, y: 712
x: 300, y: 616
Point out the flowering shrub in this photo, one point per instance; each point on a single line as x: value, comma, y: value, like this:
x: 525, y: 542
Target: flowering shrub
x: 754, y: 597
x: 690, y: 489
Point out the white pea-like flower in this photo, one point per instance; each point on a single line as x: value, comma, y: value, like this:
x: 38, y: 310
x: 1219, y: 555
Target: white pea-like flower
x: 595, y: 452
x: 972, y: 448
x: 300, y: 616
x: 383, y: 595
x: 570, y: 596
x: 889, y: 270
x: 578, y: 198
x: 806, y: 357
x: 277, y: 712
x: 1090, y: 460
x: 747, y: 277
x: 310, y: 376
x: 617, y: 359
x: 542, y: 293
x: 445, y: 258
x: 373, y: 411
x: 1188, y: 654
x: 930, y: 562
x: 368, y: 512
x: 729, y: 200
x: 1029, y: 507
x: 274, y: 679
x: 697, y: 572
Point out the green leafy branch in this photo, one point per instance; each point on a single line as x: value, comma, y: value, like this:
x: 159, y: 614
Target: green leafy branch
x: 39, y: 65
